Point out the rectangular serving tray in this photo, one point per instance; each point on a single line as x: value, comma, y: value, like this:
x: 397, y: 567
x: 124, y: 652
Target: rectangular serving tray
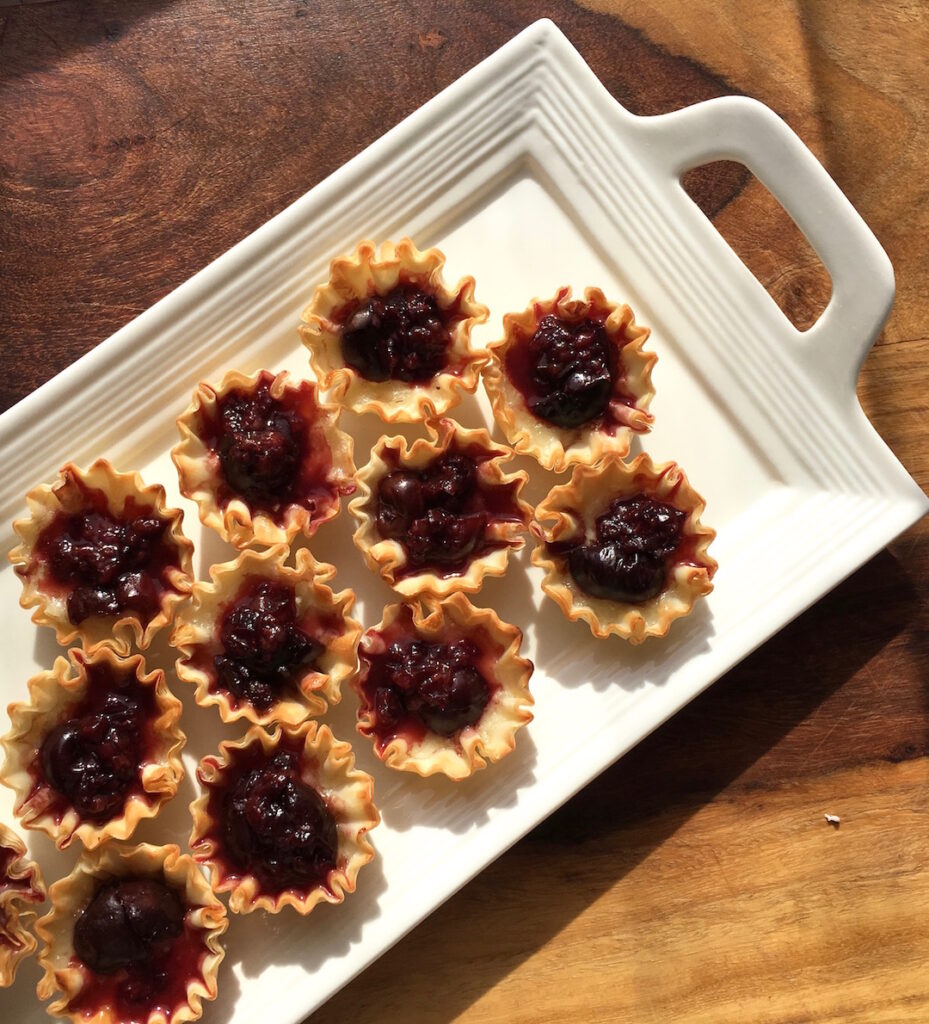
x: 764, y: 419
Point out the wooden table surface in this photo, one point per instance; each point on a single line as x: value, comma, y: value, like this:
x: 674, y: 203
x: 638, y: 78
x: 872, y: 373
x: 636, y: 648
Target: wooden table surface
x: 697, y: 880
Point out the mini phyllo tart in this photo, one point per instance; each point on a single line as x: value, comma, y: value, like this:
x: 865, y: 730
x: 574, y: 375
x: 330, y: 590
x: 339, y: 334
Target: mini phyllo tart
x: 262, y: 458
x: 266, y: 642
x: 95, y: 750
x: 627, y: 552
x: 440, y: 515
x: 20, y: 884
x: 569, y: 381
x: 283, y: 819
x: 388, y: 336
x: 133, y: 938
x: 102, y: 557
x: 442, y: 687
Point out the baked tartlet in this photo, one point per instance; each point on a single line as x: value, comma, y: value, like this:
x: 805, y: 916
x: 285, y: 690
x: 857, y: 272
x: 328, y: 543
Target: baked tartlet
x: 133, y: 938
x: 387, y: 335
x: 569, y: 381
x: 283, y: 819
x: 266, y: 642
x: 626, y: 551
x: 439, y: 515
x: 263, y: 458
x: 20, y: 885
x: 442, y: 687
x: 95, y: 750
x: 102, y: 557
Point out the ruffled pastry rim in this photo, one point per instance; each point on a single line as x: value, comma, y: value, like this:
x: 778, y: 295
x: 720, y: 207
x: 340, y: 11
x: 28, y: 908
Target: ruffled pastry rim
x: 334, y: 777
x: 494, y: 735
x: 387, y: 556
x: 236, y: 523
x: 590, y: 489
x: 558, y: 448
x: 362, y: 273
x: 44, y: 502
x: 50, y: 692
x: 197, y: 621
x: 70, y: 895
x: 16, y: 920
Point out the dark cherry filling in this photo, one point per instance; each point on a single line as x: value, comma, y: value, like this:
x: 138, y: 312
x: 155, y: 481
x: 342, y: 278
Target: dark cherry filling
x: 628, y: 560
x: 263, y: 648
x: 110, y: 565
x: 412, y: 685
x: 271, y: 453
x: 128, y: 922
x: 142, y: 953
x: 260, y: 445
x: 92, y: 761
x: 434, y: 682
x: 440, y: 513
x: 569, y: 371
x: 399, y: 336
x: 271, y: 824
x: 572, y: 369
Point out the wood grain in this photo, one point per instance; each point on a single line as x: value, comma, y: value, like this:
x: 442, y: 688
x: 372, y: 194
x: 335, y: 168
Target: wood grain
x: 822, y: 927
x: 697, y: 880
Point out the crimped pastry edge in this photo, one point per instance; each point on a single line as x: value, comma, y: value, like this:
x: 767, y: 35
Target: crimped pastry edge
x: 70, y: 895
x: 14, y: 919
x: 198, y: 477
x: 558, y: 448
x: 44, y: 501
x: 54, y: 690
x: 387, y: 556
x: 494, y: 736
x: 334, y: 777
x: 590, y: 490
x: 197, y: 621
x: 362, y: 273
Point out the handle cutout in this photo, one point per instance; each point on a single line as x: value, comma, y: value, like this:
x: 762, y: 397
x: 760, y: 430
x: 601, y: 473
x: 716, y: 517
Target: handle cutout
x: 764, y: 237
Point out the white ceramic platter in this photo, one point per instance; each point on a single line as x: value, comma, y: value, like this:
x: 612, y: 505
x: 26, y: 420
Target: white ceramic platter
x: 529, y: 175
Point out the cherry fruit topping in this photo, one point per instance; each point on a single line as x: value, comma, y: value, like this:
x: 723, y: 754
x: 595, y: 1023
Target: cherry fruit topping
x: 628, y: 559
x: 278, y: 828
x: 425, y: 510
x: 260, y: 445
x: 107, y: 561
x: 573, y: 371
x: 398, y: 336
x: 263, y: 648
x: 128, y: 922
x: 434, y: 682
x: 94, y: 760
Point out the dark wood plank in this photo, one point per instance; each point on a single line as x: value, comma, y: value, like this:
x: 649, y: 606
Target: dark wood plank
x: 143, y: 139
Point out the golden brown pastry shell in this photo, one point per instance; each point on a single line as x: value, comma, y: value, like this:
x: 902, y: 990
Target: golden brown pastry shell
x: 366, y: 272
x: 573, y: 508
x: 22, y: 885
x: 65, y: 977
x: 494, y: 735
x: 51, y: 693
x: 44, y: 502
x: 328, y: 765
x: 200, y: 475
x: 197, y: 627
x: 558, y: 448
x: 388, y: 556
